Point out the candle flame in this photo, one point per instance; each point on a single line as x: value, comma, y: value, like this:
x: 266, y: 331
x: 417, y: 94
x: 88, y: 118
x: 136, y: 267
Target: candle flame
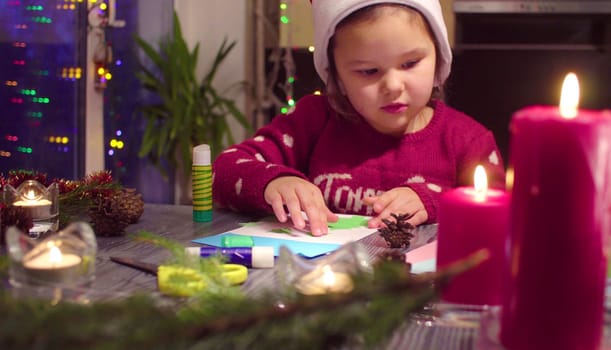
x: 509, y: 178
x: 30, y: 195
x: 328, y: 277
x: 569, y: 97
x: 55, y: 255
x: 480, y: 182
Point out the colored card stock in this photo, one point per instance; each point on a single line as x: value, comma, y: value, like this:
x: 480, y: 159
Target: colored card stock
x: 270, y: 232
x: 423, y: 259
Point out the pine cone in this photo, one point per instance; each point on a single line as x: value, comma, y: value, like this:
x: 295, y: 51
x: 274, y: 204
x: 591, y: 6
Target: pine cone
x: 133, y: 204
x: 399, y: 232
x: 14, y: 216
x: 113, y: 214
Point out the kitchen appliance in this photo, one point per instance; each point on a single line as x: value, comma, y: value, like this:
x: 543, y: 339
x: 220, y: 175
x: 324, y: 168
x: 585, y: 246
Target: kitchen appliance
x: 511, y: 54
x: 532, y: 6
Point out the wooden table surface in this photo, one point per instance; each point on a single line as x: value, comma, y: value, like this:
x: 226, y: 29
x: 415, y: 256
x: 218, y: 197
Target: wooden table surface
x: 115, y: 281
x: 170, y: 221
x: 175, y: 222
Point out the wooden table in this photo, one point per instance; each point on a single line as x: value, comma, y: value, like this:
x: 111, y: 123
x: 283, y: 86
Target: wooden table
x: 115, y: 281
x: 171, y: 221
x: 175, y: 222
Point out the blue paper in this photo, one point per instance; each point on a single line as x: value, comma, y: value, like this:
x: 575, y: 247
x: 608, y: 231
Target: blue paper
x: 308, y: 250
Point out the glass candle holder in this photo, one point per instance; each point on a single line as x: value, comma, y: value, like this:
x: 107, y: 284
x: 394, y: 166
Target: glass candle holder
x: 329, y: 274
x: 41, y: 203
x: 61, y: 266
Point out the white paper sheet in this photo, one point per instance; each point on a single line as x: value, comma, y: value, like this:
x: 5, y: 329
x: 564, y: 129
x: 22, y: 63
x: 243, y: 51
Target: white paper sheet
x: 265, y: 228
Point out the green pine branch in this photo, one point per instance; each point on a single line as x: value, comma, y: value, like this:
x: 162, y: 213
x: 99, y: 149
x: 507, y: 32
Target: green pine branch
x: 224, y: 318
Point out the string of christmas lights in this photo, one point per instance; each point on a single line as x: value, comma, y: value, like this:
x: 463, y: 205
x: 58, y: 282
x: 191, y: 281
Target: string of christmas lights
x: 33, y: 68
x: 288, y: 62
x: 284, y: 56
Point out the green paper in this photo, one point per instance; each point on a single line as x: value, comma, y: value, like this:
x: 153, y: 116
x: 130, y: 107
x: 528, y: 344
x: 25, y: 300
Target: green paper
x: 285, y: 230
x: 255, y: 223
x: 245, y: 224
x: 348, y: 222
x: 343, y: 223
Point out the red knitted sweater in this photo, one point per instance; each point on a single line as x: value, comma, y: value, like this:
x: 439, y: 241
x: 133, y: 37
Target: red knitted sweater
x: 349, y: 160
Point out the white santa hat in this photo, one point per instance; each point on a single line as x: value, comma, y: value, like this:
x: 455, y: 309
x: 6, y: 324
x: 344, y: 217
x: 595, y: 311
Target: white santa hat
x: 328, y: 13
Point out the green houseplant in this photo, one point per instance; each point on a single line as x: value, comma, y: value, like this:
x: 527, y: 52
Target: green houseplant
x: 187, y: 112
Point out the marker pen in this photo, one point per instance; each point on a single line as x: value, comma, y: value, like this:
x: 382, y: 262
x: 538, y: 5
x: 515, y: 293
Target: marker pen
x: 255, y: 257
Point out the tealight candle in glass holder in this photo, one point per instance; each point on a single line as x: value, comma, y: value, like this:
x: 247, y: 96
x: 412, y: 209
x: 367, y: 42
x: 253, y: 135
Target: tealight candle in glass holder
x: 329, y: 274
x: 41, y: 203
x: 60, y: 266
x: 324, y: 280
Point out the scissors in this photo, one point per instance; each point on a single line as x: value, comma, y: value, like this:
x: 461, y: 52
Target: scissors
x: 182, y: 281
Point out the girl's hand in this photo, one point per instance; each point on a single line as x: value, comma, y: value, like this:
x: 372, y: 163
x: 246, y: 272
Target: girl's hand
x: 297, y: 195
x: 400, y: 200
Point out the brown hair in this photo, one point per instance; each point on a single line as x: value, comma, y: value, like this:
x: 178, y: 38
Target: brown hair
x: 338, y: 101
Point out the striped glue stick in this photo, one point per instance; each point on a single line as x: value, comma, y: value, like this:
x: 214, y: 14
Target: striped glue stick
x: 201, y: 176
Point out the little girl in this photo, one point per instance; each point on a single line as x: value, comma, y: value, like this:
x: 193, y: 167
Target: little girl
x: 381, y: 141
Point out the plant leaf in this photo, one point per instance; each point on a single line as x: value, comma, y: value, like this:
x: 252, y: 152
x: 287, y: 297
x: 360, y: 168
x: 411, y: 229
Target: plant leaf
x: 188, y: 111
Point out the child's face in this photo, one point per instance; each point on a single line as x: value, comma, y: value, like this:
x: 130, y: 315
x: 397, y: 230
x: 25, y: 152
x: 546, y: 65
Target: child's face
x: 386, y: 68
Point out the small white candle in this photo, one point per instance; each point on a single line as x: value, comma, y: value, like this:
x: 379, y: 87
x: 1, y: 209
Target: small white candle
x: 30, y: 200
x: 39, y: 208
x: 53, y: 259
x: 32, y: 203
x: 52, y: 266
x: 323, y: 280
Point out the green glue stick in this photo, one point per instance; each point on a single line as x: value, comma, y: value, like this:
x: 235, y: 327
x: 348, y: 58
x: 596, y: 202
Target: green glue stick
x: 201, y: 176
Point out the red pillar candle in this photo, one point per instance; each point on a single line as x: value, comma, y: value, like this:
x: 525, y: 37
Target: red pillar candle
x: 471, y: 219
x: 561, y: 161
